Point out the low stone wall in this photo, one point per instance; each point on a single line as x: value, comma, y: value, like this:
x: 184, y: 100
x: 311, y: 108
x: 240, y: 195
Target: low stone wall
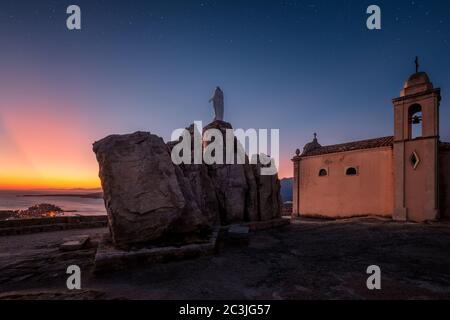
x: 27, y: 226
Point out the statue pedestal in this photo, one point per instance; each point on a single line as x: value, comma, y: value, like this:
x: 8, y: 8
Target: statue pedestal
x: 108, y: 258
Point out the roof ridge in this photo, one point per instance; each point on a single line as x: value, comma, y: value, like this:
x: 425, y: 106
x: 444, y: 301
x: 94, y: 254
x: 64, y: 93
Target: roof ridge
x: 358, y: 141
x: 379, y: 142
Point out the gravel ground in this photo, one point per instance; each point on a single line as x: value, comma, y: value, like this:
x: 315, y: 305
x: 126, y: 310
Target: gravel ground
x: 310, y: 259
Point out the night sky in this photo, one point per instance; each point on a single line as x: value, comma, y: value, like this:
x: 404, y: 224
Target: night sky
x: 298, y: 66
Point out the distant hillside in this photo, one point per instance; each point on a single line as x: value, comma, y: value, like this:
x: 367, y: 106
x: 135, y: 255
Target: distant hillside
x: 95, y: 195
x: 286, y: 189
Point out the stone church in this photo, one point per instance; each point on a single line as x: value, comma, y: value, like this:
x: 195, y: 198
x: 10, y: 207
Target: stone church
x: 405, y: 176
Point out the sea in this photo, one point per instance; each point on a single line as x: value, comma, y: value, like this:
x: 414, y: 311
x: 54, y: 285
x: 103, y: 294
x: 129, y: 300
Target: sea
x: 74, y: 202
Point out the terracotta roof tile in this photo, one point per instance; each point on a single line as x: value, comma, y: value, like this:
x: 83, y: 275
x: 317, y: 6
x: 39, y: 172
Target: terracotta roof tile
x: 350, y: 146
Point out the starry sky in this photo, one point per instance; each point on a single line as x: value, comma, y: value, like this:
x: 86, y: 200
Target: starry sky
x: 298, y: 66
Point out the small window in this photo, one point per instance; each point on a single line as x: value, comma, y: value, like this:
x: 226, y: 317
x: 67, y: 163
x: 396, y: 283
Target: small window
x: 415, y: 121
x: 323, y: 173
x: 351, y: 171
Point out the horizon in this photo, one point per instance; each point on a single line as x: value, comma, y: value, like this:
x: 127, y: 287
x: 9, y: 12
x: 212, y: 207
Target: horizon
x: 153, y: 67
x: 52, y: 189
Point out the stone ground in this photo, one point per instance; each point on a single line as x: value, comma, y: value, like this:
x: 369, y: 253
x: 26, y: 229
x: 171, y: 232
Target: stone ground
x: 310, y: 259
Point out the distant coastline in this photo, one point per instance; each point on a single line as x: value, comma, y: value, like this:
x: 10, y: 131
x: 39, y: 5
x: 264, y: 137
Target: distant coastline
x: 17, y: 204
x: 95, y: 195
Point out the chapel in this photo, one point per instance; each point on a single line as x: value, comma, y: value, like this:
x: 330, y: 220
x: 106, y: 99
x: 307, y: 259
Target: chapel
x: 405, y: 176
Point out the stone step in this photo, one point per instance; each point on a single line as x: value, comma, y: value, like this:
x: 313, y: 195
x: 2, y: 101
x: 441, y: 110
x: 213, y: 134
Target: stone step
x: 74, y: 243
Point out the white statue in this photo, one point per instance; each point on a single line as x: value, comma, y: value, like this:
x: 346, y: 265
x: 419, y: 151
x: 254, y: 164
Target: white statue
x: 218, y: 104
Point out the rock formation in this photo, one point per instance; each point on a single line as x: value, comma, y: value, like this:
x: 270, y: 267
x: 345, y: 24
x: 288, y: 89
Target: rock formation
x: 148, y: 198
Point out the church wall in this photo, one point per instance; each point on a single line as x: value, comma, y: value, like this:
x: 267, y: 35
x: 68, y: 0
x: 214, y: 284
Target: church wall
x: 370, y: 192
x: 444, y: 184
x: 421, y: 182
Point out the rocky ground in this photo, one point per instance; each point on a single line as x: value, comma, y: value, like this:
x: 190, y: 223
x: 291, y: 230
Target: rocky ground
x: 309, y: 259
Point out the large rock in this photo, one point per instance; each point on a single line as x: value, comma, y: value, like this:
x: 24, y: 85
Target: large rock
x: 148, y: 198
x: 202, y: 189
x: 198, y: 214
x: 231, y: 188
x: 145, y: 195
x: 251, y: 202
x: 243, y: 194
x: 269, y: 196
x: 231, y: 181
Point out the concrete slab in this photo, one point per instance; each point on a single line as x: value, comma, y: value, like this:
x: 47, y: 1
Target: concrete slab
x: 239, y: 229
x: 74, y: 243
x: 238, y: 234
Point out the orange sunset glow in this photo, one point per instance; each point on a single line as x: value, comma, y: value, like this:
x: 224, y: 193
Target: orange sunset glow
x: 39, y: 150
x: 44, y: 152
x: 47, y: 143
x: 44, y: 146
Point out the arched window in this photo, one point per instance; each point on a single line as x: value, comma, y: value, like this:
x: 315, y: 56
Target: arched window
x: 323, y: 173
x: 415, y: 121
x: 351, y: 171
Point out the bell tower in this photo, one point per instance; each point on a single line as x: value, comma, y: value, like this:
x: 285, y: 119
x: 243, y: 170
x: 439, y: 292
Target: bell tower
x: 416, y: 146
